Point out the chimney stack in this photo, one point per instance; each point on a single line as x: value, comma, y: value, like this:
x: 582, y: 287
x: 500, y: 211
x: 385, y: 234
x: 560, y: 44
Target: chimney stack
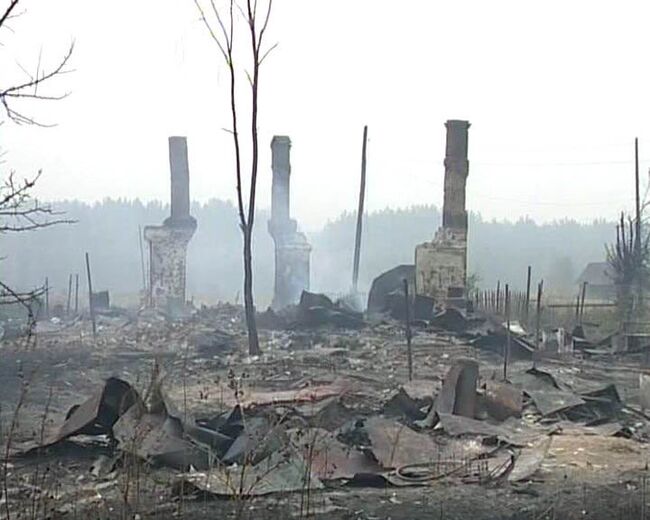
x: 180, y: 180
x: 281, y: 166
x: 454, y: 215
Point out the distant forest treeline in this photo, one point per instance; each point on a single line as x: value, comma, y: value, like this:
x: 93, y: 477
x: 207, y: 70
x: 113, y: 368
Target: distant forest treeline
x: 109, y: 232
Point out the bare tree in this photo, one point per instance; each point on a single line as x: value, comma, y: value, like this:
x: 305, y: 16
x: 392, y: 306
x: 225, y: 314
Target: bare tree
x: 19, y: 211
x: 221, y: 27
x: 629, y: 261
x: 27, y: 88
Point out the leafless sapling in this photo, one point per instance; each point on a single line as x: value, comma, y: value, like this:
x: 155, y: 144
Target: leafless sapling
x: 220, y: 24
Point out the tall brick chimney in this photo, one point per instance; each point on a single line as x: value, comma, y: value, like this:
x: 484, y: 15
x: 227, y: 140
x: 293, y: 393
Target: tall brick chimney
x: 454, y: 214
x: 180, y: 180
x: 281, y: 167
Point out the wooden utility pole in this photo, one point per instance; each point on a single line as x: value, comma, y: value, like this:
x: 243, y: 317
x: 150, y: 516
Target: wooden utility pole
x: 638, y: 195
x: 408, y: 328
x: 90, y: 298
x: 144, y: 275
x: 76, y: 294
x: 637, y: 243
x: 498, y: 306
x: 47, y: 297
x: 506, y: 353
x: 362, y: 196
x: 527, y: 303
x: 67, y: 307
x: 582, y: 301
x: 538, y: 315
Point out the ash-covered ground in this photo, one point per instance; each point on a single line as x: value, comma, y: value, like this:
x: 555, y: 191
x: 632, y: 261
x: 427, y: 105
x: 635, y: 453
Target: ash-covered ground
x: 325, y: 423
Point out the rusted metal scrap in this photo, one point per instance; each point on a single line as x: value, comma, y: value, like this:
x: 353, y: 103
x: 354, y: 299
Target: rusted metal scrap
x: 282, y: 472
x: 482, y: 469
x: 258, y: 439
x: 502, y: 400
x: 162, y: 435
x: 159, y: 439
x: 98, y: 414
x: 458, y: 394
x: 330, y: 459
x: 394, y: 444
x: 309, y: 394
x: 512, y: 431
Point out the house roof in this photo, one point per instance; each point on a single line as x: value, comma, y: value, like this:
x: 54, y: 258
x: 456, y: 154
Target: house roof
x: 597, y: 273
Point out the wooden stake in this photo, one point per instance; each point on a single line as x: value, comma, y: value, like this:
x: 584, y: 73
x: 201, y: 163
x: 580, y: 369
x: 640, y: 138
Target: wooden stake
x: 47, y: 297
x: 76, y: 294
x: 498, y: 296
x: 540, y: 288
x: 362, y: 196
x: 506, y: 354
x: 582, y: 303
x: 67, y: 307
x: 144, y: 276
x: 527, y: 301
x: 408, y: 328
x: 638, y: 256
x: 638, y: 195
x: 90, y: 298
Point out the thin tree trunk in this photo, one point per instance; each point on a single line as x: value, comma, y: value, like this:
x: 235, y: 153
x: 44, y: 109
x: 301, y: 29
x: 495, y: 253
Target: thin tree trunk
x: 223, y: 35
x: 249, y: 304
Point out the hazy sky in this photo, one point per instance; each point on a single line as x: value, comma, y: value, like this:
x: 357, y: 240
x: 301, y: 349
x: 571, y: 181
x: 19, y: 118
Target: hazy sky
x: 556, y: 91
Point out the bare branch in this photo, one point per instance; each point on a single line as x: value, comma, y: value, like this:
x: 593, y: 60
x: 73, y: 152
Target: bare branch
x: 266, y: 21
x: 22, y: 213
x: 209, y: 28
x: 268, y: 52
x: 25, y: 299
x: 12, y: 5
x: 24, y: 90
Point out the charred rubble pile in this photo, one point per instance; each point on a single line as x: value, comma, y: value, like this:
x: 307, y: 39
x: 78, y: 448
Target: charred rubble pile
x: 471, y: 428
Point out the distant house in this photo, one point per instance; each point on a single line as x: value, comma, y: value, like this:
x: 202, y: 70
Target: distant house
x: 600, y: 281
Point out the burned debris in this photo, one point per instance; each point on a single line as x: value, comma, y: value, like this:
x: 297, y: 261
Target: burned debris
x: 291, y: 424
x: 432, y: 389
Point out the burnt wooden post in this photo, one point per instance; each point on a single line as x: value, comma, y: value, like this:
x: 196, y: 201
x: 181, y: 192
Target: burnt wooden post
x: 408, y: 328
x: 144, y: 271
x: 506, y: 353
x: 362, y: 196
x: 47, y: 297
x: 67, y: 306
x: 90, y: 297
x: 637, y: 194
x: 76, y: 294
x: 498, y: 306
x: 540, y: 288
x: 582, y: 303
x: 526, y: 308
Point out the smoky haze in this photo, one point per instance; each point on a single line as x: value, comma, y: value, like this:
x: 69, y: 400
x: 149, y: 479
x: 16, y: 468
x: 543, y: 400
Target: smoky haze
x: 109, y: 231
x: 553, y: 119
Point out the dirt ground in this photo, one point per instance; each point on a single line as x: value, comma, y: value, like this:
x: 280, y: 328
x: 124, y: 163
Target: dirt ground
x: 582, y: 476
